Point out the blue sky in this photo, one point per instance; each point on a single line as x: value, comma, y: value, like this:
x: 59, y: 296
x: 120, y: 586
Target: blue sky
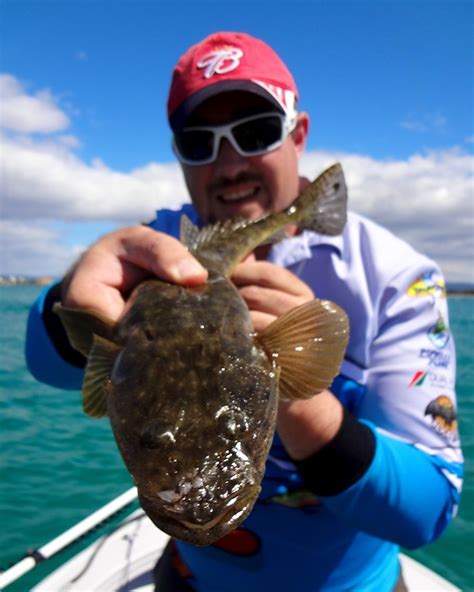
x: 388, y: 85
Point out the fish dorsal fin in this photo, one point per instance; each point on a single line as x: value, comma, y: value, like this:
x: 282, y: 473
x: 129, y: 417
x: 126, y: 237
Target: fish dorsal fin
x: 308, y: 345
x: 188, y: 232
x: 222, y: 245
x: 213, y: 233
x: 97, y: 375
x: 81, y: 326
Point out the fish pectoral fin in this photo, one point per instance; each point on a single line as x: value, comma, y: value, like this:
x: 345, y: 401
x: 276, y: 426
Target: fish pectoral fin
x: 188, y: 232
x: 99, y: 367
x: 81, y: 326
x: 308, y: 345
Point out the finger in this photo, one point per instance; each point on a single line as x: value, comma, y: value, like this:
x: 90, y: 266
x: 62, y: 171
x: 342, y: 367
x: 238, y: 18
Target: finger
x: 268, y: 275
x: 261, y: 320
x: 274, y: 302
x: 249, y: 258
x: 163, y: 256
x: 86, y: 290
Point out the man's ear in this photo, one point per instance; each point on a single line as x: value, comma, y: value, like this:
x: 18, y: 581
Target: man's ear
x: 300, y: 132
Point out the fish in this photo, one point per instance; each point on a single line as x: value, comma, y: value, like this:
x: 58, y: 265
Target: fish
x: 191, y: 391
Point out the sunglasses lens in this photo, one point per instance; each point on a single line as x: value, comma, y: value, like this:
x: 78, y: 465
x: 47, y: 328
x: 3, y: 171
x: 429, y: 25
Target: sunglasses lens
x: 252, y: 136
x: 195, y: 145
x: 257, y: 135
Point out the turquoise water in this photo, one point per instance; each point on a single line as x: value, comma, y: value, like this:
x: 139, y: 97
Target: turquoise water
x: 57, y: 466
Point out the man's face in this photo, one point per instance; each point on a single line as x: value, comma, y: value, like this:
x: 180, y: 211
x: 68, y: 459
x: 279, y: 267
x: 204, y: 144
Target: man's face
x: 235, y: 185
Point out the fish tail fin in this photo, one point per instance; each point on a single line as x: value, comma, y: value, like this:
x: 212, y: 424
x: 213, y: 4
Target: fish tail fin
x: 322, y: 206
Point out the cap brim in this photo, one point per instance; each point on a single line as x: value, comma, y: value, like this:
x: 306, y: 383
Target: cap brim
x: 181, y: 115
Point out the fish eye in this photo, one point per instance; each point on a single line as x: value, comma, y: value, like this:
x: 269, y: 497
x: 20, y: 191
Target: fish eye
x: 232, y: 423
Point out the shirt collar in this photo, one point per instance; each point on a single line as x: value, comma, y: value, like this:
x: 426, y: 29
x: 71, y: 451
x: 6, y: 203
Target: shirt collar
x: 297, y: 248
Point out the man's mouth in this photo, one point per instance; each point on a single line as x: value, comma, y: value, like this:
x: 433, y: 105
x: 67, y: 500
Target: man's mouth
x: 238, y: 195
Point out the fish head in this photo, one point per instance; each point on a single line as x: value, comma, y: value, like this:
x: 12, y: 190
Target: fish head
x: 197, y: 447
x: 204, y: 502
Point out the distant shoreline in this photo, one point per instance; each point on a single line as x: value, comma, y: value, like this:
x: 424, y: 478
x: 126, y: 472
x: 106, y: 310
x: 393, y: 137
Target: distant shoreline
x: 460, y: 293
x: 41, y: 281
x: 46, y: 280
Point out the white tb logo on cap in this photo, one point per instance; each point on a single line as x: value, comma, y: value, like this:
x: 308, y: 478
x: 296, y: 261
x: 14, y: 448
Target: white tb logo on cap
x: 221, y: 61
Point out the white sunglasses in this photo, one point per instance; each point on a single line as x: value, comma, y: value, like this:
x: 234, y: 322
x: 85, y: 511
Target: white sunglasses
x: 250, y: 136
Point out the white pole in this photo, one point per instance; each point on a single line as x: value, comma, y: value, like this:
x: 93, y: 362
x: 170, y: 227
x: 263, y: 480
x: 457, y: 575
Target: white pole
x: 69, y: 536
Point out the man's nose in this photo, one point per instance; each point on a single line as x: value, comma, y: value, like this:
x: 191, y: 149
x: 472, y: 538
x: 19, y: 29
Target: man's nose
x: 228, y: 160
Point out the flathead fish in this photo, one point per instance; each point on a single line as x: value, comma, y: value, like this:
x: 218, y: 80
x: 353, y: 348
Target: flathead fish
x: 191, y: 391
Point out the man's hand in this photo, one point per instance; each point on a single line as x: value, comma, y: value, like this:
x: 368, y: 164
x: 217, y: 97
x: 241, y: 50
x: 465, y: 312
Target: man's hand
x: 108, y: 271
x: 269, y: 290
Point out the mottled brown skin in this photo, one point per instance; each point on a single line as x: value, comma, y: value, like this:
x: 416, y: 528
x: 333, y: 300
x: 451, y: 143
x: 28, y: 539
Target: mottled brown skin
x: 194, y: 426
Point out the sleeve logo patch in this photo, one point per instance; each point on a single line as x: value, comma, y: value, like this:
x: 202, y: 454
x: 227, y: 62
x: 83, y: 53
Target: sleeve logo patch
x: 439, y: 334
x: 428, y: 284
x: 436, y: 358
x: 443, y: 417
x: 431, y: 379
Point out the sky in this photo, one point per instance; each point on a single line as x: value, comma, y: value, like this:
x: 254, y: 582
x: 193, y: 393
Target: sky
x: 85, y: 147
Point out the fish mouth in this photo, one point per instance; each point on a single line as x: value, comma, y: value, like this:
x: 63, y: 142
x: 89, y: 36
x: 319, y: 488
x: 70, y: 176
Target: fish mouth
x: 227, y: 516
x: 182, y: 527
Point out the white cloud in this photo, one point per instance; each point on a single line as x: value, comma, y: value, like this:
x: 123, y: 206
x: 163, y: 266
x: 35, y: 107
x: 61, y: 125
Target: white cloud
x: 427, y: 198
x: 28, y: 114
x: 73, y: 190
x: 28, y: 248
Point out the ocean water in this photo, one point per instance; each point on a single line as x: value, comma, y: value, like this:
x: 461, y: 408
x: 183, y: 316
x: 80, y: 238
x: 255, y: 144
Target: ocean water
x: 57, y: 465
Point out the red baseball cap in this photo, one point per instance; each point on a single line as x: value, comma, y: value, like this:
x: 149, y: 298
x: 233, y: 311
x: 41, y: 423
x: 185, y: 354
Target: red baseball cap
x: 227, y: 61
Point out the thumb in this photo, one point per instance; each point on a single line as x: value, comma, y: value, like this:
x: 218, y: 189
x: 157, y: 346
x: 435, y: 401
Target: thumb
x: 249, y: 258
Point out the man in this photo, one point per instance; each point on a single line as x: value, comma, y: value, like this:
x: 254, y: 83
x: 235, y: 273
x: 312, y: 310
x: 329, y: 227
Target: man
x: 372, y: 463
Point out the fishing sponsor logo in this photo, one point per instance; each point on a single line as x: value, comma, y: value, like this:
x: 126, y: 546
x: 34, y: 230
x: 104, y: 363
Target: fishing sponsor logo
x: 443, y: 417
x: 435, y: 358
x: 221, y: 61
x: 428, y: 284
x: 301, y: 498
x: 439, y: 334
x: 431, y: 379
